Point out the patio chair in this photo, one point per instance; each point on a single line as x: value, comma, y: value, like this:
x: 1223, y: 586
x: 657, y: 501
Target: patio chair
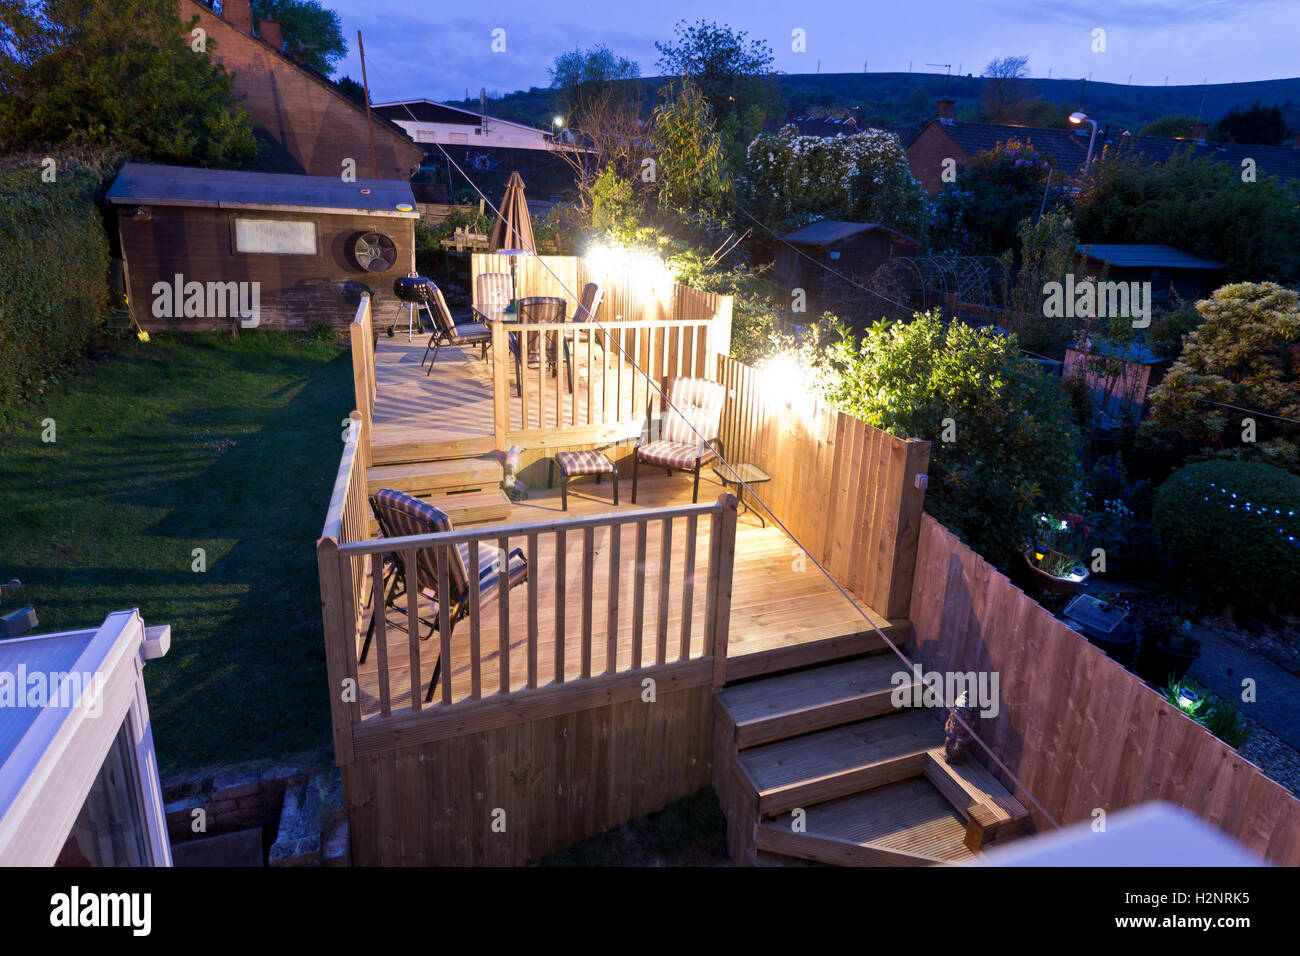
x: 688, y: 432
x: 588, y: 306
x: 543, y: 309
x: 492, y: 289
x: 449, y: 332
x: 399, y: 515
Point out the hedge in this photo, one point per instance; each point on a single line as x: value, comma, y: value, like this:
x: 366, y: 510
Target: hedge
x: 1232, y: 528
x: 54, y: 277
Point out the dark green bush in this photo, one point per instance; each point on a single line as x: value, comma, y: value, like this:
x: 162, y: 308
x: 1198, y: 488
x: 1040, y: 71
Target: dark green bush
x: 53, y: 282
x: 1231, y: 529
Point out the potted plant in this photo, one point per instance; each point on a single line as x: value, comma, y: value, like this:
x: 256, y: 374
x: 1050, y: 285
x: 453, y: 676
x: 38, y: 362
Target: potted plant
x: 1055, y: 559
x: 1168, y: 649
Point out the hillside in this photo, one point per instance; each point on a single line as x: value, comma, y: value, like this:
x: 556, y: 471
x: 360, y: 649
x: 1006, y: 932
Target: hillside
x: 898, y: 99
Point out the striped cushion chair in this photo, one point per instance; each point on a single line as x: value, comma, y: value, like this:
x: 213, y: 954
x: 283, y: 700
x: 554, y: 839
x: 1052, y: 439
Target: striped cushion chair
x: 688, y: 434
x: 449, y: 332
x: 492, y: 289
x: 399, y: 515
x: 589, y: 307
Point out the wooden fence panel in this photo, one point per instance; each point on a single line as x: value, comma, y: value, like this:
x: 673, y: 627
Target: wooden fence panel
x: 1079, y: 730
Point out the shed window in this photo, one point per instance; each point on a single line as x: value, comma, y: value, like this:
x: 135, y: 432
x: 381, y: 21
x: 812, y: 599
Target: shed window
x: 277, y: 236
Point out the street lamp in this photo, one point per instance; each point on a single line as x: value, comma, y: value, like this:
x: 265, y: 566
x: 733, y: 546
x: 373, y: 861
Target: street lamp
x: 1081, y: 117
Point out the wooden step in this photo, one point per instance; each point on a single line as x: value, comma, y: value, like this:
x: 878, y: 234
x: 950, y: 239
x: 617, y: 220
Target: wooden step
x: 471, y: 507
x: 991, y: 812
x: 396, y: 453
x: 908, y: 823
x: 827, y: 764
x: 802, y: 701
x: 804, y: 647
x: 429, y: 477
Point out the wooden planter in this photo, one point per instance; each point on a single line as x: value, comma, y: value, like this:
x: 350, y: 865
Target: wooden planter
x: 1050, y: 582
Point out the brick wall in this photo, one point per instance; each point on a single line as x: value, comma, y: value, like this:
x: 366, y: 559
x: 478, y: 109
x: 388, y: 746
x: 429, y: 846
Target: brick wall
x: 926, y: 155
x: 306, y: 125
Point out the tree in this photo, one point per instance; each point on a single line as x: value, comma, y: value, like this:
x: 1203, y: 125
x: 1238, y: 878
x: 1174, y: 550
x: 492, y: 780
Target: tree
x: 1170, y: 126
x: 1245, y: 354
x: 122, y: 74
x: 1257, y: 125
x: 691, y: 173
x: 1004, y: 85
x: 728, y: 67
x: 790, y: 180
x: 311, y: 33
x: 1003, y: 449
x: 1195, y: 204
x: 1047, y: 251
x: 351, y: 89
x: 588, y: 78
x: 980, y: 212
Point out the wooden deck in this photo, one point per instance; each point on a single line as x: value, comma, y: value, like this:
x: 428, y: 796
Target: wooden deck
x: 454, y: 403
x: 779, y: 608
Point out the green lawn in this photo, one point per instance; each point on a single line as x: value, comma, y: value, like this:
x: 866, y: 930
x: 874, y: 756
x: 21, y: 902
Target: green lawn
x: 185, y: 442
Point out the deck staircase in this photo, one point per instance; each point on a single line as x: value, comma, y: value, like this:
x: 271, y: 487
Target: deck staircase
x: 814, y: 764
x: 460, y: 478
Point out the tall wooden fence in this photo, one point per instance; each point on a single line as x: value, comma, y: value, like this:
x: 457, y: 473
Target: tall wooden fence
x: 1079, y: 730
x: 847, y: 490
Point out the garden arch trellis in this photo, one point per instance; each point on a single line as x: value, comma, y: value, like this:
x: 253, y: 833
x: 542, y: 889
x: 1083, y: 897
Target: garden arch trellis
x: 929, y: 281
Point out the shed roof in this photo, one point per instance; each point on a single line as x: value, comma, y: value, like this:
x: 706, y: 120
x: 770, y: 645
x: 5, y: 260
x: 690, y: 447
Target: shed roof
x: 149, y: 184
x: 827, y: 232
x: 1137, y: 256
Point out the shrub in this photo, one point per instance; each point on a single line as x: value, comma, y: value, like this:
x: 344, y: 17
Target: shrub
x: 53, y: 285
x: 1231, y: 529
x: 1012, y: 449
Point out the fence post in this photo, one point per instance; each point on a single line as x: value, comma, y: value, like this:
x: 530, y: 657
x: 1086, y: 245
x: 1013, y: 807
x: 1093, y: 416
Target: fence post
x: 500, y: 384
x: 911, y: 505
x: 722, y: 557
x: 337, y: 644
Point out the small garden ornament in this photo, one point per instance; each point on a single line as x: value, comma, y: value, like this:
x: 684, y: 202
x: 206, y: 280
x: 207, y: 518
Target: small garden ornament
x: 515, y: 489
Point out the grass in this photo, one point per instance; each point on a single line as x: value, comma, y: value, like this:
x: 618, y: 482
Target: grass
x: 185, y: 442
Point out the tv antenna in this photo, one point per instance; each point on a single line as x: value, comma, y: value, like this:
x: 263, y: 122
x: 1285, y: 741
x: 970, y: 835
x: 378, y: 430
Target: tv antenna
x: 948, y: 79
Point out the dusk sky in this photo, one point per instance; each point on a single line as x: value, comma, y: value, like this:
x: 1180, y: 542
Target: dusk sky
x: 439, y: 51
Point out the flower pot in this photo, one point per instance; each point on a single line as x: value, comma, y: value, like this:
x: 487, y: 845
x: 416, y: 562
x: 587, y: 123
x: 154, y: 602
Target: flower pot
x: 1050, y: 582
x: 1159, y: 664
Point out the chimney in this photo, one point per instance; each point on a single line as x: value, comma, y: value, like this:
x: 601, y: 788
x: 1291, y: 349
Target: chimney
x: 269, y: 31
x: 1198, y: 133
x: 944, y: 110
x: 789, y: 116
x: 1295, y: 143
x: 239, y: 14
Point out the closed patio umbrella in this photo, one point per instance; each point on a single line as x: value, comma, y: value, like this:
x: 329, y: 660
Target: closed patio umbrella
x: 513, y: 228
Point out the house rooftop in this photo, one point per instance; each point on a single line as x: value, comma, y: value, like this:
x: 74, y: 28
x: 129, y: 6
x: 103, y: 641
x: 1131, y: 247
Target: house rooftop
x: 427, y: 111
x: 1140, y: 256
x: 149, y: 184
x: 827, y: 232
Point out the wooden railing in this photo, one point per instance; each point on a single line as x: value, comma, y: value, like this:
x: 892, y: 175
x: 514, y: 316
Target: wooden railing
x: 361, y: 334
x: 848, y: 491
x: 556, y: 377
x: 343, y: 594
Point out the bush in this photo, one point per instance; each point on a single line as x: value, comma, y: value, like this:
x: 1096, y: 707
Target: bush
x: 53, y: 285
x: 1231, y: 529
x: 1011, y: 453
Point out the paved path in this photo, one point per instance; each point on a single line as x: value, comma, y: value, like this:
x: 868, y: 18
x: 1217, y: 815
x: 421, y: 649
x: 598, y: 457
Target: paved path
x: 1277, y: 692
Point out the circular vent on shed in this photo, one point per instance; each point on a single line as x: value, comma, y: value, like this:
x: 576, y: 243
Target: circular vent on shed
x: 375, y: 252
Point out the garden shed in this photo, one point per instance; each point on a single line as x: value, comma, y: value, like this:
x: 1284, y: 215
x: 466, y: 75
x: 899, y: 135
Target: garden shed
x: 208, y: 248
x: 1119, y: 377
x: 852, y: 249
x: 1169, y: 270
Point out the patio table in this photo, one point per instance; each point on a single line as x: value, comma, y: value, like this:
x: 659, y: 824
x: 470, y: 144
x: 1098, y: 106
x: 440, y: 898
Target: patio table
x: 747, y: 473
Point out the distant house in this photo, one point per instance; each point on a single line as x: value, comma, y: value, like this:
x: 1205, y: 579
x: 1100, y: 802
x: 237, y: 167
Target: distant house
x: 1170, y: 271
x: 485, y: 149
x: 943, y: 137
x: 304, y: 122
x: 208, y: 248
x: 808, y: 256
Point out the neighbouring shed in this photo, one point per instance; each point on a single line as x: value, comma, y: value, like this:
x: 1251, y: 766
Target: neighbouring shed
x: 808, y: 256
x: 1169, y: 270
x: 205, y: 248
x: 1119, y: 378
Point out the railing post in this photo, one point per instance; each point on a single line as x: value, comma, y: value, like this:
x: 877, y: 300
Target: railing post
x: 338, y: 644
x: 722, y: 560
x: 500, y: 384
x: 907, y: 528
